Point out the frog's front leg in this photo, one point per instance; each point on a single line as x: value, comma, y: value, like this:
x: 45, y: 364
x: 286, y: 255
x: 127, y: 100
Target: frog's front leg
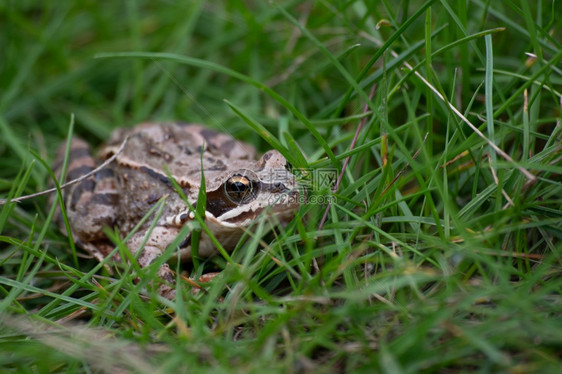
x: 151, y: 248
x: 91, y: 204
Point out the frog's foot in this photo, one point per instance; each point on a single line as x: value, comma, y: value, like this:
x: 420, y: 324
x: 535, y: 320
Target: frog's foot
x: 204, y: 278
x: 166, y: 289
x: 100, y: 250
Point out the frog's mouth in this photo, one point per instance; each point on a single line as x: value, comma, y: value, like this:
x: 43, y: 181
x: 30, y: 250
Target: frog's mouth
x: 243, y: 196
x: 280, y: 205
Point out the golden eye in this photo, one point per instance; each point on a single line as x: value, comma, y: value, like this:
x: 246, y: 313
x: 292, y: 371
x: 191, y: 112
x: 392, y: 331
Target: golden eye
x: 239, y: 189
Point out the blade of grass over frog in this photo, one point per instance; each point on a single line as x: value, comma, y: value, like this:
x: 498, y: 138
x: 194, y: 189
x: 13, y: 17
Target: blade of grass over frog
x: 200, y: 209
x: 68, y: 146
x: 61, y: 204
x: 132, y: 269
x: 154, y: 213
x: 45, y: 229
x: 199, y: 216
x: 376, y: 56
x: 58, y: 184
x: 234, y: 74
x: 251, y: 245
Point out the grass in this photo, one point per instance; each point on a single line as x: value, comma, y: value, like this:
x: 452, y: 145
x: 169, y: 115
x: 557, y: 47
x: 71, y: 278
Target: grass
x: 449, y: 261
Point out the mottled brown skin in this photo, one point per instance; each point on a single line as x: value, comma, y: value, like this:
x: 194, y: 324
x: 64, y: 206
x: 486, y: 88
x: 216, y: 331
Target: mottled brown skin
x: 239, y: 189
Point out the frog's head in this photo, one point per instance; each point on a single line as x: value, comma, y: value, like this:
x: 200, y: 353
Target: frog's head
x: 239, y: 198
x: 246, y: 194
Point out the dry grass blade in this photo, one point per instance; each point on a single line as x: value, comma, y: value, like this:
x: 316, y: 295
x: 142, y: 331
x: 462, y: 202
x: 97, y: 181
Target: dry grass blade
x: 70, y: 183
x: 99, y: 348
x: 531, y: 178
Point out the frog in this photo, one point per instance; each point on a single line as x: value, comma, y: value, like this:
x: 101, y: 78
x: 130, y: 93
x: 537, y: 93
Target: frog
x: 169, y: 164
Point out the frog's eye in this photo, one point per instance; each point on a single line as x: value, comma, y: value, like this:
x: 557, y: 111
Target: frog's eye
x: 239, y: 189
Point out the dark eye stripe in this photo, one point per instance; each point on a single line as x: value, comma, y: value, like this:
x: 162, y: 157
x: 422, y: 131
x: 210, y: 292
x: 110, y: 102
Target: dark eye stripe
x: 162, y: 178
